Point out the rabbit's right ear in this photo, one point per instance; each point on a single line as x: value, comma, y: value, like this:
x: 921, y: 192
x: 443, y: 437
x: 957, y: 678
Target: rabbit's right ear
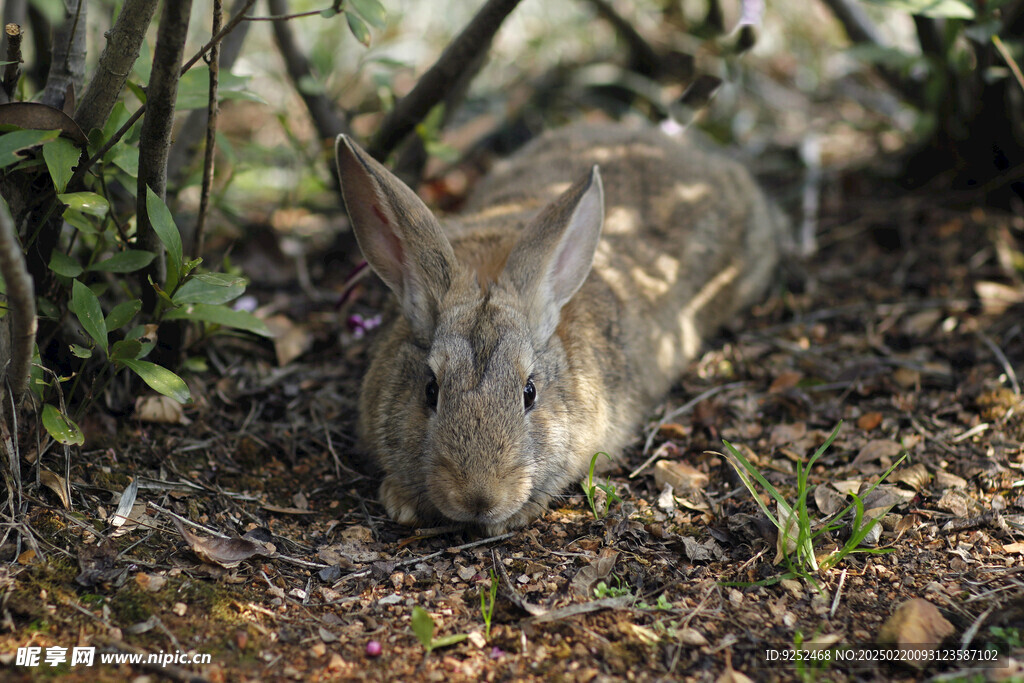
x: 399, y: 236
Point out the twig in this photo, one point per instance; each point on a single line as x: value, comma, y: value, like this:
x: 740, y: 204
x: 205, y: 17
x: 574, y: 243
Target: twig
x: 1004, y: 361
x: 643, y: 59
x: 1005, y: 54
x: 839, y: 592
x: 326, y: 120
x: 12, y: 71
x: 67, y: 68
x: 442, y: 77
x: 21, y: 304
x: 155, y: 137
x: 682, y: 410
x: 212, y: 113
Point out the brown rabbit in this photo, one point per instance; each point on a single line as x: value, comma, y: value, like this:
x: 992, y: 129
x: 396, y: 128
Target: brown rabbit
x: 529, y: 337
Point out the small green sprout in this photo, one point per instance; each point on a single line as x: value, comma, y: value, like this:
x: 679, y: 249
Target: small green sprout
x: 590, y: 489
x: 423, y: 627
x: 488, y: 598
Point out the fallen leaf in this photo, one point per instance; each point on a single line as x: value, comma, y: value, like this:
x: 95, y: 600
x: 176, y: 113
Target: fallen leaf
x: 915, y: 624
x: 869, y: 421
x: 160, y: 409
x: 290, y: 340
x: 679, y: 475
x: 691, y: 637
x: 828, y: 500
x: 1015, y: 547
x: 598, y: 570
x: 947, y: 480
x: 785, y: 380
x: 877, y: 450
x: 916, y: 476
x: 225, y: 552
x: 57, y: 484
x: 151, y: 583
x: 27, y: 557
x: 786, y: 434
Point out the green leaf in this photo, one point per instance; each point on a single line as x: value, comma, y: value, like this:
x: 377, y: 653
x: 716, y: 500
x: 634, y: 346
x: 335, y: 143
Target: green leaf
x: 220, y: 315
x: 125, y: 349
x: 210, y: 288
x: 358, y: 28
x: 126, y: 158
x: 62, y: 264
x: 123, y: 314
x: 80, y: 222
x: 88, y: 203
x: 61, y: 427
x: 159, y: 378
x: 15, y: 141
x: 127, y: 261
x: 423, y: 627
x: 90, y: 315
x: 940, y: 9
x: 372, y: 11
x: 163, y: 223
x: 80, y: 351
x: 194, y: 88
x: 445, y: 641
x: 53, y: 10
x: 61, y: 157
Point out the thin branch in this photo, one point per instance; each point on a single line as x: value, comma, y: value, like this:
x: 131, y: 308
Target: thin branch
x: 1008, y: 58
x: 124, y: 42
x: 12, y: 71
x: 155, y: 139
x: 67, y: 68
x: 193, y: 130
x: 21, y: 305
x: 642, y: 57
x: 123, y: 130
x: 213, y: 111
x: 325, y: 117
x: 441, y: 78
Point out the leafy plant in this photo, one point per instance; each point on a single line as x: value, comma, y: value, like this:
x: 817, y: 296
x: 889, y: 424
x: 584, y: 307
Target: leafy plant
x: 423, y: 626
x: 488, y: 598
x: 603, y: 590
x: 590, y: 489
x: 661, y: 604
x: 796, y: 529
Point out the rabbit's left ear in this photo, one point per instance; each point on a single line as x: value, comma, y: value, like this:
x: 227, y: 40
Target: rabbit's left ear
x: 555, y: 252
x: 399, y: 236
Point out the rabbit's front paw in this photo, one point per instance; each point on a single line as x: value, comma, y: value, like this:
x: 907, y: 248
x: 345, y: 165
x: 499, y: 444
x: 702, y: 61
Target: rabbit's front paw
x: 401, y: 502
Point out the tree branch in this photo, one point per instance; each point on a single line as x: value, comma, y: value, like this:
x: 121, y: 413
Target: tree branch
x: 122, y: 49
x: 326, y: 120
x: 191, y: 132
x: 642, y: 57
x: 67, y: 67
x: 442, y: 77
x: 21, y: 305
x: 12, y: 71
x: 212, y: 113
x: 155, y: 140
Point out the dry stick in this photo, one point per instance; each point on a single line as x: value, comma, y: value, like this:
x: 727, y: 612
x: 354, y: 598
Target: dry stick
x: 325, y: 118
x: 123, y: 130
x: 442, y: 77
x: 212, y: 113
x: 1008, y: 58
x: 124, y: 42
x: 21, y: 303
x: 155, y: 137
x: 643, y: 57
x: 12, y: 71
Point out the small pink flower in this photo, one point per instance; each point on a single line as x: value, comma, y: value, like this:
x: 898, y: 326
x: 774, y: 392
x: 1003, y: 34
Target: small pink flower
x: 373, y: 648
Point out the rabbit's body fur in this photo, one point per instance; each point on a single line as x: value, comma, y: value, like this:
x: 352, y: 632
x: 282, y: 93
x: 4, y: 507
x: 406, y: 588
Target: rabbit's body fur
x: 688, y: 240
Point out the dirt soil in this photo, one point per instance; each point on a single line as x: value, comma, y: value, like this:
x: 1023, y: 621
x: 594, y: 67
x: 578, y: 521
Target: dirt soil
x: 905, y: 328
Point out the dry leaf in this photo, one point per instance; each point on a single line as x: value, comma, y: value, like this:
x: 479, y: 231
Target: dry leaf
x: 869, y: 421
x: 916, y: 623
x: 58, y: 485
x: 947, y: 480
x: 916, y: 476
x: 786, y: 434
x: 598, y: 570
x: 997, y: 297
x: 785, y: 380
x: 675, y: 431
x: 152, y: 583
x: 225, y: 552
x: 290, y: 340
x: 956, y: 502
x: 1013, y: 547
x: 160, y: 409
x: 681, y: 476
x: 828, y: 500
x: 877, y: 449
x: 692, y: 637
x: 27, y: 557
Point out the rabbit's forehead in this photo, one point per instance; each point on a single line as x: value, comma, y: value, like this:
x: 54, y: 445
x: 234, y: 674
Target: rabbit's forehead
x: 481, y: 340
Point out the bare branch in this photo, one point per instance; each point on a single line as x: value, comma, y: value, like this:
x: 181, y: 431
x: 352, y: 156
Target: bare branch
x: 67, y: 68
x: 155, y: 140
x: 855, y: 21
x: 642, y: 57
x: 326, y: 120
x: 191, y: 132
x: 21, y: 305
x: 442, y: 77
x: 212, y: 113
x: 122, y: 49
x: 12, y: 71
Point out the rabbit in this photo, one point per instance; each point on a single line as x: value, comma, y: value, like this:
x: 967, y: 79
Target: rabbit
x: 541, y: 325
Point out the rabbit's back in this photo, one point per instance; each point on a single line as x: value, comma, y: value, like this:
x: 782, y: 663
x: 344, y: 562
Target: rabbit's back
x: 688, y: 239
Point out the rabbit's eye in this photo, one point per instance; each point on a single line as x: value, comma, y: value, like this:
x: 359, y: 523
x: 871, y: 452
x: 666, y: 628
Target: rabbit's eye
x: 432, y: 392
x: 529, y: 394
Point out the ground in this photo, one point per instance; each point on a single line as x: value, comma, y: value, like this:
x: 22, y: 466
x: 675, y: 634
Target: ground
x: 904, y: 329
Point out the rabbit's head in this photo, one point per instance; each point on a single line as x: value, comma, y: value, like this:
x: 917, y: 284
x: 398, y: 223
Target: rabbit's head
x: 469, y: 398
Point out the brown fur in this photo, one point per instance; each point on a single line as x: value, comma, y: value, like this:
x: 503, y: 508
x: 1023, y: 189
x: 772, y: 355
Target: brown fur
x: 490, y: 301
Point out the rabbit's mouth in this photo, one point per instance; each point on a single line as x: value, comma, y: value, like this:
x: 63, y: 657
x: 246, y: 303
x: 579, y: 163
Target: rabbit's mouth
x: 487, y: 503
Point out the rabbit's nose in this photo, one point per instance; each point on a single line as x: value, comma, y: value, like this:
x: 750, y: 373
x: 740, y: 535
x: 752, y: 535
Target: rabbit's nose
x: 479, y: 503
